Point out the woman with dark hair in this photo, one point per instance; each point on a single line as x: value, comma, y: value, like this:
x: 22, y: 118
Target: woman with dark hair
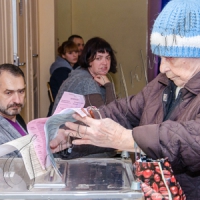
x: 60, y: 69
x: 90, y: 79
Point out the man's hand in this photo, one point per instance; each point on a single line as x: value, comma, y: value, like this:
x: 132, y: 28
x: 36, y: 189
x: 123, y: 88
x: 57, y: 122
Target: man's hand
x: 60, y: 142
x: 101, y: 132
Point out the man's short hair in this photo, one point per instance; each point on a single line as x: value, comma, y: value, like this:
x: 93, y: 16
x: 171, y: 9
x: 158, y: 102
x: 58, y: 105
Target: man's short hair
x: 71, y: 38
x: 13, y: 69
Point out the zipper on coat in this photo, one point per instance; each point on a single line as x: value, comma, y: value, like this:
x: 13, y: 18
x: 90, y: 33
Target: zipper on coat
x: 174, y: 103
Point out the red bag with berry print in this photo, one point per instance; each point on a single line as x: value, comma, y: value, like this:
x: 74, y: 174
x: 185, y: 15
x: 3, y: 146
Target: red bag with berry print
x: 157, y: 180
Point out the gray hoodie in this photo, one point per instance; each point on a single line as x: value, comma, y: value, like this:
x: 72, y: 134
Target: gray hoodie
x: 60, y: 62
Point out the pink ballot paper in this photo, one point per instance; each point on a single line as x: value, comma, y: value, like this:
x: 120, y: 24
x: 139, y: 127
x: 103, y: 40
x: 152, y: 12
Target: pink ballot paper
x: 70, y: 100
x: 36, y: 128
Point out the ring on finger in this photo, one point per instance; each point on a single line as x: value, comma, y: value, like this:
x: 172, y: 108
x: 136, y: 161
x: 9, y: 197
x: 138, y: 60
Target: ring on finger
x: 78, y: 131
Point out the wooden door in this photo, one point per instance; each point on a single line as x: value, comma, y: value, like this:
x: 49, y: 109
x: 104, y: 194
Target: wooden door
x: 33, y: 8
x: 6, y: 42
x: 26, y: 55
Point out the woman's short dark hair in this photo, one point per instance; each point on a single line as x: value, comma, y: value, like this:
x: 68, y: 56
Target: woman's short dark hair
x: 67, y: 46
x: 93, y: 46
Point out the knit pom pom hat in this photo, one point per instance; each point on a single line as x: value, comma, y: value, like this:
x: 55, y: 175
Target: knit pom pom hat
x: 176, y: 31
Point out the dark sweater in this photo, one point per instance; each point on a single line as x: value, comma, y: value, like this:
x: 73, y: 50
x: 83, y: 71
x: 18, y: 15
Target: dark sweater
x: 59, y: 75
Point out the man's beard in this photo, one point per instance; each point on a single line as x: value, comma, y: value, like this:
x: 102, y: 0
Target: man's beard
x: 10, y: 112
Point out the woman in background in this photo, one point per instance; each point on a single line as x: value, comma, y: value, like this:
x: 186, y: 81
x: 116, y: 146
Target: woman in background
x: 60, y: 69
x: 90, y: 78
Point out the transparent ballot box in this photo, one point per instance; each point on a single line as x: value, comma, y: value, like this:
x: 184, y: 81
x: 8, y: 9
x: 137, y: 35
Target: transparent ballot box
x: 88, y: 179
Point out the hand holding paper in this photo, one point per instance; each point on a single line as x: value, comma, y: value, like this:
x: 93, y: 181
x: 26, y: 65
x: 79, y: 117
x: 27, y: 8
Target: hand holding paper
x: 61, y: 142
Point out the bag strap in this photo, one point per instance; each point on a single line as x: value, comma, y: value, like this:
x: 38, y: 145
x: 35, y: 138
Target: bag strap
x: 163, y: 178
x: 138, y: 150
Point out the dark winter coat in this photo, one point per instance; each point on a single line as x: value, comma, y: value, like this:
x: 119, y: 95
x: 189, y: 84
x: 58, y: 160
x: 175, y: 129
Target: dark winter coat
x: 165, y: 127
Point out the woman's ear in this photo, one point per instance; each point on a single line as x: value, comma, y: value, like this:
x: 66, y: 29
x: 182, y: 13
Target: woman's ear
x: 89, y: 63
x: 63, y: 56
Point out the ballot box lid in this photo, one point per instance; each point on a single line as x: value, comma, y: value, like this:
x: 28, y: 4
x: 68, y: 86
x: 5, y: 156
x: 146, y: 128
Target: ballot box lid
x: 85, y: 178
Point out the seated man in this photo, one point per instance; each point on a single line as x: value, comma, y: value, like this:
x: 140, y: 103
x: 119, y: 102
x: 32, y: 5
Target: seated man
x: 78, y: 40
x: 12, y: 100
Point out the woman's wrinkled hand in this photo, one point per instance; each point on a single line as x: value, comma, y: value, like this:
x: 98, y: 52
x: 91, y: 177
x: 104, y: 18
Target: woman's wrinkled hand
x: 100, y: 132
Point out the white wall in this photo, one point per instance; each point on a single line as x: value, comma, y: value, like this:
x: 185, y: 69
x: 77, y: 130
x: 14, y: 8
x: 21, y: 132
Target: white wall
x: 123, y: 23
x: 46, y: 49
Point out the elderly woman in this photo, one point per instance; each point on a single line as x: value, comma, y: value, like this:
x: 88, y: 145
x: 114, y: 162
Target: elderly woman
x: 90, y: 80
x: 164, y: 118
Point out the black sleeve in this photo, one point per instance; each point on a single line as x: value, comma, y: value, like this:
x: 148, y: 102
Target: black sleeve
x: 79, y: 151
x: 21, y: 122
x: 57, y: 78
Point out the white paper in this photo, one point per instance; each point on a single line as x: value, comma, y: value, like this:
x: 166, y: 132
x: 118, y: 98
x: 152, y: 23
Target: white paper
x: 25, y: 146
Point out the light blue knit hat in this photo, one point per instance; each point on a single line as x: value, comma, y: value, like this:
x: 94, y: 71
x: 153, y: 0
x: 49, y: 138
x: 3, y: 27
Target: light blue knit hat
x: 176, y: 31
